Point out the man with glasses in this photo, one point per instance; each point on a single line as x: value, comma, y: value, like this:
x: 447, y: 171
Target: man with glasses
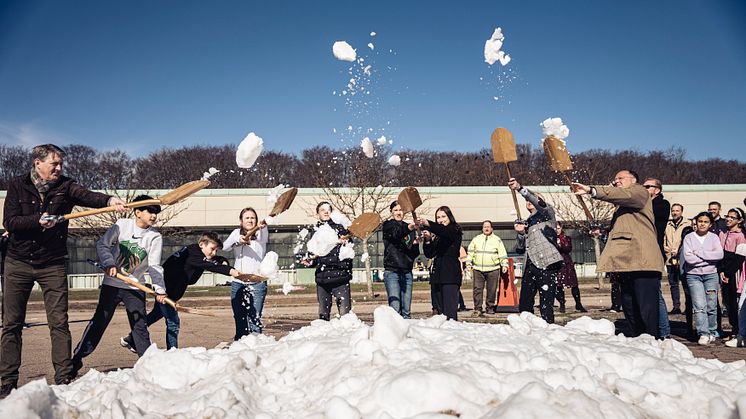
x: 631, y: 250
x: 661, y: 209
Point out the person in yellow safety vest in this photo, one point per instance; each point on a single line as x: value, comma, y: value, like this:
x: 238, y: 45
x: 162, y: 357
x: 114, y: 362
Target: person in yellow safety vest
x: 487, y: 257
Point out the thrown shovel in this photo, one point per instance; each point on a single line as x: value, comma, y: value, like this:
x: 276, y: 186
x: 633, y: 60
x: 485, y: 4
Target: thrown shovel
x: 147, y: 290
x: 409, y: 200
x: 283, y: 203
x: 169, y: 198
x: 503, y: 151
x: 363, y: 226
x: 559, y: 160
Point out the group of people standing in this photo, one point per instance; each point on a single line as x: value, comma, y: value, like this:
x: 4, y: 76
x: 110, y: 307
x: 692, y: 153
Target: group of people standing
x: 35, y: 251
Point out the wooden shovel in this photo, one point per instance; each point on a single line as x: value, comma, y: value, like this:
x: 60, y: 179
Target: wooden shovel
x: 559, y: 161
x: 503, y: 151
x: 363, y: 226
x: 147, y: 290
x: 283, y: 203
x: 409, y: 200
x: 169, y: 198
x: 252, y: 278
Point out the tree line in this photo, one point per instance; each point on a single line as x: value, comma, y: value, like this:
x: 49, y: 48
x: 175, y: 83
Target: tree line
x: 324, y: 167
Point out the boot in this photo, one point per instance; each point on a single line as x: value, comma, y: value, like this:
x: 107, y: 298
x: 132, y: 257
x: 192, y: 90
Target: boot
x: 576, y: 295
x: 561, y: 298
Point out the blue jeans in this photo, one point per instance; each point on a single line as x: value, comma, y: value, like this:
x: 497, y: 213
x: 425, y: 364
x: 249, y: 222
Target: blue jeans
x: 172, y: 322
x: 399, y: 289
x: 663, y: 325
x: 704, y: 292
x: 247, y: 301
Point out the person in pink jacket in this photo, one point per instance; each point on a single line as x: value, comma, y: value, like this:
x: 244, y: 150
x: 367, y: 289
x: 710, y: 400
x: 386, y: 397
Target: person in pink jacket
x: 702, y: 252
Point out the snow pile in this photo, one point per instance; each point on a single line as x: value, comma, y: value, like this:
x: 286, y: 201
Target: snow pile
x: 249, y: 150
x: 211, y: 171
x: 408, y: 368
x: 492, y: 49
x: 395, y: 160
x: 268, y: 267
x: 367, y: 147
x: 323, y: 240
x: 555, y: 127
x: 343, y: 51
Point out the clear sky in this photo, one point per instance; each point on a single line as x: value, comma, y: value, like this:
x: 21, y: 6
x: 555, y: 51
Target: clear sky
x: 141, y: 74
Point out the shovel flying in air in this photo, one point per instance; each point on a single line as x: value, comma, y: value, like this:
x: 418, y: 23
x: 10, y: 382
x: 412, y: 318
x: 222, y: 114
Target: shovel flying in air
x: 169, y: 198
x: 409, y: 200
x: 281, y: 205
x: 559, y: 161
x: 147, y: 290
x: 503, y: 151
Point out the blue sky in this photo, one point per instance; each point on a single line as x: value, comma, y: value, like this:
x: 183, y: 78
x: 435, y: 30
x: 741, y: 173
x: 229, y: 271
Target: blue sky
x: 141, y: 75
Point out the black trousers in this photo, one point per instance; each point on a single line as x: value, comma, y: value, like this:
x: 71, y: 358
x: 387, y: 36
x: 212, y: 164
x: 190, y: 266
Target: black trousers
x: 341, y: 294
x: 108, y: 299
x: 446, y: 299
x: 640, y: 301
x: 543, y: 281
x: 17, y: 284
x: 730, y: 300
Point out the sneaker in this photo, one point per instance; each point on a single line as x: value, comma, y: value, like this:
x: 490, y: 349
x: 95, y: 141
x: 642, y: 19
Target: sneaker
x: 580, y: 308
x: 476, y: 313
x: 5, y: 389
x: 733, y: 343
x: 127, y: 344
x: 705, y: 340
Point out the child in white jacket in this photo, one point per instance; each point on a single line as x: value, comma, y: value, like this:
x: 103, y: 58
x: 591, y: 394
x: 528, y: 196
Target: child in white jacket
x: 130, y: 247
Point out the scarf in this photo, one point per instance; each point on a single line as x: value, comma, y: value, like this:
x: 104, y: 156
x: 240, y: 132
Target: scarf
x: 43, y: 186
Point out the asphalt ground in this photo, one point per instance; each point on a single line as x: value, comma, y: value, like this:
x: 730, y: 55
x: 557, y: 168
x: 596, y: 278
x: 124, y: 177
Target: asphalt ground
x: 283, y: 314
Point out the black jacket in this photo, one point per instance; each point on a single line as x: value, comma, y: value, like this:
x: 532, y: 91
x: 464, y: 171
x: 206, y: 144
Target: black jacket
x: 329, y: 269
x: 446, y: 249
x: 184, y: 268
x: 398, y: 251
x: 23, y: 207
x: 661, y: 212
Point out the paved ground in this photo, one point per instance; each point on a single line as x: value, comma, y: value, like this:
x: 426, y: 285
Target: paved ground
x: 282, y: 314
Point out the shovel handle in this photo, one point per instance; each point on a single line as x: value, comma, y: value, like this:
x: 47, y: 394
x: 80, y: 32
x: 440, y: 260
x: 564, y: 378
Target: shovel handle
x: 112, y: 208
x: 587, y: 212
x: 254, y: 229
x: 515, y: 198
x: 144, y: 289
x: 417, y: 227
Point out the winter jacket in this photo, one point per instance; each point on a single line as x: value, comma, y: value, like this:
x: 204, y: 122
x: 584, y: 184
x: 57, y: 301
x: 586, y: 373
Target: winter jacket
x: 539, y: 241
x: 134, y: 250
x: 330, y: 270
x: 567, y: 277
x: 399, y: 252
x: 445, y: 250
x: 701, y: 258
x: 186, y: 266
x: 30, y: 243
x: 487, y: 253
x: 248, y: 256
x: 661, y: 212
x: 672, y: 238
x: 632, y: 244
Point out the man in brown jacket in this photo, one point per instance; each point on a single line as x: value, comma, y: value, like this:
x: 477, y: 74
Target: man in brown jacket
x: 632, y: 249
x: 37, y: 252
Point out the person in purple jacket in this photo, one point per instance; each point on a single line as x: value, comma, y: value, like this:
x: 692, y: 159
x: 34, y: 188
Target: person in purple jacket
x: 702, y: 252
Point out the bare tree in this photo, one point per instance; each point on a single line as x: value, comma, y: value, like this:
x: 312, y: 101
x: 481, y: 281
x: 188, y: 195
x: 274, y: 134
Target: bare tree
x: 14, y: 161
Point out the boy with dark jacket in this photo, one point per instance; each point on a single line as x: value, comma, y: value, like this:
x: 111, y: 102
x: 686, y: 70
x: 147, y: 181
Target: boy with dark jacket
x: 180, y: 270
x: 400, y: 249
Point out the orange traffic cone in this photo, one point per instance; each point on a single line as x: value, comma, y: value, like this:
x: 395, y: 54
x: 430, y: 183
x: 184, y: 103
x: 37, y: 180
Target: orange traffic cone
x: 507, y: 292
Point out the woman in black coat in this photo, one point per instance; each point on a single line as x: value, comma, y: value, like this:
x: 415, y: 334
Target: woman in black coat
x: 443, y: 243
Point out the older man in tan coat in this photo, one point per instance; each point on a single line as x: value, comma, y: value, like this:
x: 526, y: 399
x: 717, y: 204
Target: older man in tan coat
x: 632, y: 249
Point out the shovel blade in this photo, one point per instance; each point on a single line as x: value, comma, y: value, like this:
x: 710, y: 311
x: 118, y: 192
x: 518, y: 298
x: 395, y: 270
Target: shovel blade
x: 283, y: 202
x: 365, y: 224
x: 183, y: 191
x: 409, y: 199
x: 503, y: 146
x: 557, y: 155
